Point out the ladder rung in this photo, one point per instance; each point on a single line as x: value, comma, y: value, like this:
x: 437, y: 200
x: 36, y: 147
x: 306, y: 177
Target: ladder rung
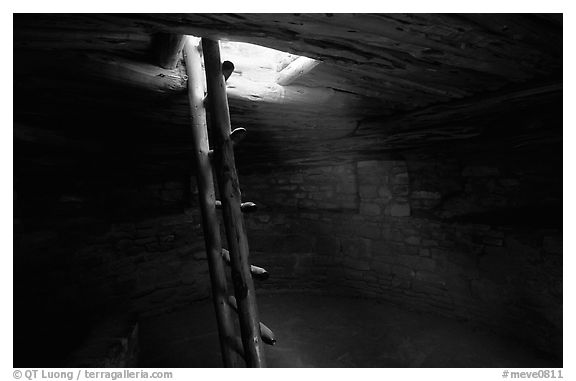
x: 237, y: 135
x: 245, y: 207
x: 248, y: 207
x: 266, y: 333
x: 227, y: 69
x: 257, y: 272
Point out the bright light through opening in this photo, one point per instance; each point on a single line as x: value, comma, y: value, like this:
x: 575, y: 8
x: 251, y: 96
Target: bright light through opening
x: 253, y: 62
x: 263, y: 74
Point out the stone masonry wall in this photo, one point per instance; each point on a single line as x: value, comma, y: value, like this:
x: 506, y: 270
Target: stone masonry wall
x: 428, y: 235
x: 388, y: 230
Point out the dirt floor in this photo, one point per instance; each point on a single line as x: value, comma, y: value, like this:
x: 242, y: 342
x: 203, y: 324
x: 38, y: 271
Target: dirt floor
x: 327, y: 331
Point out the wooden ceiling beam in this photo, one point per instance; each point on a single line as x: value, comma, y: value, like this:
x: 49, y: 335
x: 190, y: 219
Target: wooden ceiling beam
x: 167, y: 49
x: 296, y: 69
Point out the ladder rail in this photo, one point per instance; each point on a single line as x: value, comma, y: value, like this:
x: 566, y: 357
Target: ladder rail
x: 229, y: 188
x: 207, y: 197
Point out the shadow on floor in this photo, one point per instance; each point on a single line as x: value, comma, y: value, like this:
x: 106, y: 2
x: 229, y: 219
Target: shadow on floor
x: 329, y: 331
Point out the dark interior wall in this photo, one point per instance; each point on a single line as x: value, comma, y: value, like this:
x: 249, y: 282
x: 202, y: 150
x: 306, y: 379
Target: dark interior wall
x: 474, y: 239
x: 88, y: 248
x: 106, y: 221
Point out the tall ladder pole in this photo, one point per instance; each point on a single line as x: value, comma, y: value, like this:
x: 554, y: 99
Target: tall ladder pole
x: 229, y: 188
x: 206, y: 194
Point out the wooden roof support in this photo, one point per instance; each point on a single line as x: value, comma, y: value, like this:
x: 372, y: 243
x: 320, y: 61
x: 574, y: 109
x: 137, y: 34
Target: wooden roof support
x: 230, y: 194
x: 166, y: 49
x: 105, y: 67
x: 207, y: 196
x: 295, y: 70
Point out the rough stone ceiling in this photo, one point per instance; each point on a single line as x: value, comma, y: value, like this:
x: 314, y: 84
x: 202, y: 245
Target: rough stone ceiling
x: 391, y: 81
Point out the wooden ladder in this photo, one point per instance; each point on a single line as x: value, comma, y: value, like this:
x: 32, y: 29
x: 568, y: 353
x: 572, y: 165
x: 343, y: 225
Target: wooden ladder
x: 253, y: 333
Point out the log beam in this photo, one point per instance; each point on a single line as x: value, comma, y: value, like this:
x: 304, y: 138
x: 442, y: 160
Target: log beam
x: 296, y: 69
x: 206, y: 193
x: 153, y: 79
x: 233, y: 220
x: 128, y: 72
x: 166, y: 49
